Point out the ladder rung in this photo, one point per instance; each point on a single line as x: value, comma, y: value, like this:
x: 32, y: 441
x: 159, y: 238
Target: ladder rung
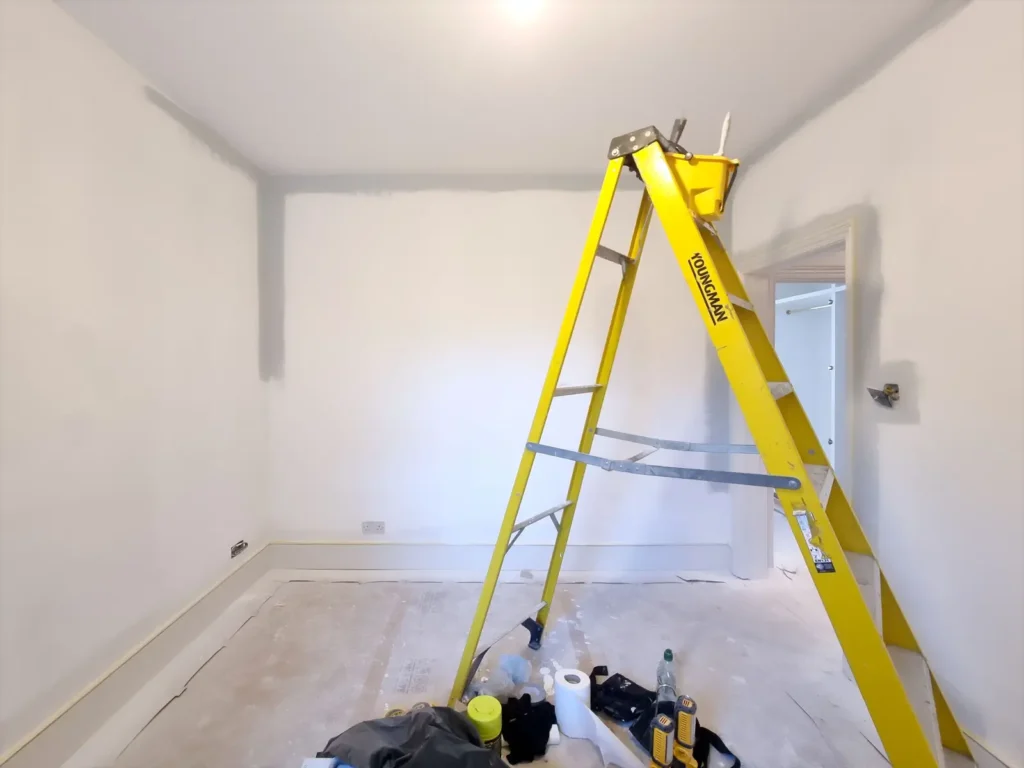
x: 741, y: 303
x: 540, y: 516
x: 780, y: 388
x: 582, y: 389
x: 917, y: 682
x: 675, y: 445
x: 680, y: 473
x: 609, y: 255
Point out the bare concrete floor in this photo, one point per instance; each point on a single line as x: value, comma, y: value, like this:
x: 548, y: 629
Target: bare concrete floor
x: 759, y: 657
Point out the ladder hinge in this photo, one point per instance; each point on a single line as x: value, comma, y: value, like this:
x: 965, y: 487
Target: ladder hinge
x: 628, y: 143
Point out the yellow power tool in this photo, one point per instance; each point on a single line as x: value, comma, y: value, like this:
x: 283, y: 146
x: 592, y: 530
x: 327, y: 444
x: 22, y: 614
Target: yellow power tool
x: 662, y: 738
x: 685, y: 722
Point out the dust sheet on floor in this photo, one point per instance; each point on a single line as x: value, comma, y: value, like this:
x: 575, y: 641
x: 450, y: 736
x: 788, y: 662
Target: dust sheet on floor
x: 322, y: 656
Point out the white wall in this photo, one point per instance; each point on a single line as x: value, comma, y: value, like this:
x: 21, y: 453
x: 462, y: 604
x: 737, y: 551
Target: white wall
x: 419, y: 327
x: 131, y: 440
x: 932, y: 149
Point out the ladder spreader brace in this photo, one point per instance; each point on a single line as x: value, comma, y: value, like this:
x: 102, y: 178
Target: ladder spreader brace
x: 689, y: 192
x: 633, y: 466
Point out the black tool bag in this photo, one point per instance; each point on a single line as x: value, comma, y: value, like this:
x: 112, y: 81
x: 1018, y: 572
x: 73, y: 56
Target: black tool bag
x: 618, y: 696
x: 436, y: 737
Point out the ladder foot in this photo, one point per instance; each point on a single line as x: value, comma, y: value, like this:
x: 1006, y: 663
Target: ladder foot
x: 536, y: 630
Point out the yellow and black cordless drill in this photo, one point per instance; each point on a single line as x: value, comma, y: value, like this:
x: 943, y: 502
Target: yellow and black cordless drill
x: 662, y: 741
x: 685, y: 726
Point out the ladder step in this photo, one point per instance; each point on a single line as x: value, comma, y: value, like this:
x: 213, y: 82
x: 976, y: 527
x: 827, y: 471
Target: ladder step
x: 582, y: 389
x: 741, y: 303
x: 917, y: 682
x: 865, y: 571
x: 546, y: 513
x: 780, y: 389
x: 863, y: 567
x: 823, y: 479
x: 609, y: 255
x: 956, y: 760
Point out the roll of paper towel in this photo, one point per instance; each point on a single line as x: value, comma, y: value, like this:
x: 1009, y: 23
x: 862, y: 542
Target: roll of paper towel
x: 575, y: 720
x: 572, y: 688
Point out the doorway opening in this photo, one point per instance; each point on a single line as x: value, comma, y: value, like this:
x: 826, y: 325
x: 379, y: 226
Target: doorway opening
x: 811, y: 340
x: 818, y: 255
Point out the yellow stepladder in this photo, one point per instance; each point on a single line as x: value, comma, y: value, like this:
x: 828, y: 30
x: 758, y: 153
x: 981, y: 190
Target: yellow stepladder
x: 688, y: 192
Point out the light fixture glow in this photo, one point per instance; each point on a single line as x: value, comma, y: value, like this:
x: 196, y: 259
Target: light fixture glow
x: 523, y: 11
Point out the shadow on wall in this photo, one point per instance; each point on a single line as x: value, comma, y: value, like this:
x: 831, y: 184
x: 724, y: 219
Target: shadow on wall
x: 270, y: 279
x: 870, y: 371
x: 870, y: 420
x: 867, y: 310
x: 204, y: 134
x: 270, y: 237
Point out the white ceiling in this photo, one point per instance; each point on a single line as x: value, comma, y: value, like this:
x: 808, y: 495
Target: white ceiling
x: 465, y: 86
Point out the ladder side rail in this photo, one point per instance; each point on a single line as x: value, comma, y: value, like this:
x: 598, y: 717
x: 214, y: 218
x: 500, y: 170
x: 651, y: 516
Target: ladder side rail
x: 604, y: 372
x: 749, y: 371
x: 579, y: 286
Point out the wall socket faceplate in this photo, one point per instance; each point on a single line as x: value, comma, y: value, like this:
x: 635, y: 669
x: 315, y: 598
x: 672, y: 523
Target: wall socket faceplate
x: 373, y: 527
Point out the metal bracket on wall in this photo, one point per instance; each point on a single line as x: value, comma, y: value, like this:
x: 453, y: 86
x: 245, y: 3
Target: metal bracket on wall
x: 885, y: 396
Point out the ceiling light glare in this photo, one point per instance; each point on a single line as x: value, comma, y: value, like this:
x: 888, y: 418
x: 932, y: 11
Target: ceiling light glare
x: 523, y: 11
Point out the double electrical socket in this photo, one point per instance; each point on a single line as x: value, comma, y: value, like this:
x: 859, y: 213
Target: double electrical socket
x: 373, y: 527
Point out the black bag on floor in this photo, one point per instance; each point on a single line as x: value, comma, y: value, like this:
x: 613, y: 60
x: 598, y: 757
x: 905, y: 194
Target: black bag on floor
x: 435, y: 737
x: 618, y: 696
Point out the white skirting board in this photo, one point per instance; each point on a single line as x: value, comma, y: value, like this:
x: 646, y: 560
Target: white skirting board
x: 474, y: 558
x: 80, y: 726
x: 113, y: 736
x: 67, y: 729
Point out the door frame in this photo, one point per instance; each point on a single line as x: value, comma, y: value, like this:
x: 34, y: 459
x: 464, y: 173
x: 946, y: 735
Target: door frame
x: 792, y: 257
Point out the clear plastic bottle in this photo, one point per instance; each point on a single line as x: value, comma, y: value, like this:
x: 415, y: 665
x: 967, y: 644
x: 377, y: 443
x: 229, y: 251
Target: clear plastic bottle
x: 667, y: 678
